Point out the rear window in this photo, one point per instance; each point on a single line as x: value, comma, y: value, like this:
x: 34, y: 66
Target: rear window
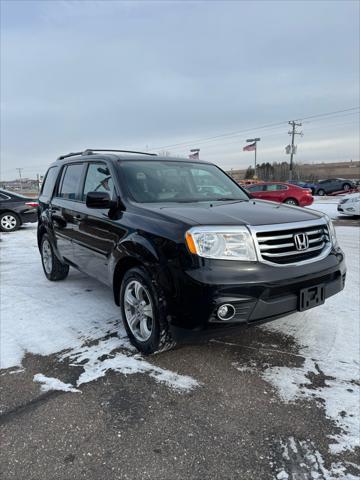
x: 49, y: 182
x: 70, y: 184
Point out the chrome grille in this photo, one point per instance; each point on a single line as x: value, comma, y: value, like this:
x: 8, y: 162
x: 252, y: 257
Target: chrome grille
x: 278, y: 246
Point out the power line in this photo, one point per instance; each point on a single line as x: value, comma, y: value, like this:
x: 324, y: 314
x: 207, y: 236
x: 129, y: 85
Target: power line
x: 239, y: 132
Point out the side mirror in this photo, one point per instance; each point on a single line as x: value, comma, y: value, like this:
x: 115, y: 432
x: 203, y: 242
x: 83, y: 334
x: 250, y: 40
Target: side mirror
x: 98, y: 200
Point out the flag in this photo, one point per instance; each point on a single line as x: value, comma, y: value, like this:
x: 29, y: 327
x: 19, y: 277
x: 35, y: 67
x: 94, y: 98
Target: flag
x: 195, y: 154
x: 250, y: 148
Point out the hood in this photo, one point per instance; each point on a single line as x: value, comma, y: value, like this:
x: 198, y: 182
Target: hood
x: 252, y: 212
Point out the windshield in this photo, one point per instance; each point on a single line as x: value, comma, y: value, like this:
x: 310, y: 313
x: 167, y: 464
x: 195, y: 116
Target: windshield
x: 151, y: 181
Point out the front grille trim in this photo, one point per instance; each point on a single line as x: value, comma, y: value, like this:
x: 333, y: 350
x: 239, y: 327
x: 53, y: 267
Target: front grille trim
x: 266, y: 253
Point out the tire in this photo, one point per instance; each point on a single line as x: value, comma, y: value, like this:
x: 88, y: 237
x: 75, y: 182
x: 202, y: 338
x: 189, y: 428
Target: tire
x: 54, y: 270
x: 9, y: 222
x: 346, y: 186
x: 321, y: 192
x: 144, y: 312
x: 291, y: 201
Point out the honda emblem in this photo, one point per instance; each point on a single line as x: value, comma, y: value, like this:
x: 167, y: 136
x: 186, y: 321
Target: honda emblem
x: 301, y: 241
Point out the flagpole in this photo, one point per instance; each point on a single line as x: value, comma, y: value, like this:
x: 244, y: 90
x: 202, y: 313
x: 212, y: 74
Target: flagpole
x: 254, y: 141
x: 255, y: 157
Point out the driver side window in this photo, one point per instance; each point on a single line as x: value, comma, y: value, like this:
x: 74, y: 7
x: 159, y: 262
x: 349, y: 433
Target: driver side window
x: 98, y: 179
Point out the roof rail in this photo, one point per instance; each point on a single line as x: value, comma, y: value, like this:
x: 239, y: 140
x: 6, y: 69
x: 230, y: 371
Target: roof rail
x: 92, y: 151
x: 72, y: 154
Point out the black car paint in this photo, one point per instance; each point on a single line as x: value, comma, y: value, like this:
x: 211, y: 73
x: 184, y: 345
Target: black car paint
x: 17, y: 204
x: 105, y: 243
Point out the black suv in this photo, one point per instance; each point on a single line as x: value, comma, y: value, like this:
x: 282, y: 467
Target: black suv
x: 184, y: 248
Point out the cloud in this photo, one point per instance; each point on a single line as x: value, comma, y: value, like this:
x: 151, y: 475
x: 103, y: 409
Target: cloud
x: 121, y: 74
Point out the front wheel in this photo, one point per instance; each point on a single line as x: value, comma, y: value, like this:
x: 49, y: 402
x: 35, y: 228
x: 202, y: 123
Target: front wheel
x: 143, y: 310
x: 9, y: 222
x: 346, y: 187
x: 321, y: 192
x: 53, y: 268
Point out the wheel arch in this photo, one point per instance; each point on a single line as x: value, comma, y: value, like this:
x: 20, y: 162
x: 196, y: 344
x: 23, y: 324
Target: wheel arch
x: 291, y: 198
x: 40, y: 233
x: 121, y: 268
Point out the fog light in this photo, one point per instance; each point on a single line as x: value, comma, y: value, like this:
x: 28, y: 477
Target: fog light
x: 226, y: 311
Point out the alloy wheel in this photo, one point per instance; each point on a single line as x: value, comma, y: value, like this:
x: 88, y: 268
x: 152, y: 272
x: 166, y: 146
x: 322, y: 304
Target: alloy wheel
x: 138, y: 310
x: 47, y: 256
x: 8, y: 222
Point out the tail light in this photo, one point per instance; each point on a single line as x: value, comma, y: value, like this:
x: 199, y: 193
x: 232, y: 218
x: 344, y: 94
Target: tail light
x: 32, y: 204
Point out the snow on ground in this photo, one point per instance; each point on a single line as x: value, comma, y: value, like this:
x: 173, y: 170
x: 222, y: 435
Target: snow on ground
x: 42, y: 317
x: 329, y: 337
x: 303, y: 461
x: 50, y: 383
x: 326, y: 205
x: 78, y: 320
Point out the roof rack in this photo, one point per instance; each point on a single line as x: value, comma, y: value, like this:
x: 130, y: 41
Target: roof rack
x: 92, y: 151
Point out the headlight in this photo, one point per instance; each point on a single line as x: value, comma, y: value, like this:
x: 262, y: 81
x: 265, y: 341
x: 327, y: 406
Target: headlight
x: 225, y: 243
x: 331, y: 231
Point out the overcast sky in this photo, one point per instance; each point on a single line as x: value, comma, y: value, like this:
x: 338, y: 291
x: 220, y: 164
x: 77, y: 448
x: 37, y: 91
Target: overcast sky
x: 113, y: 74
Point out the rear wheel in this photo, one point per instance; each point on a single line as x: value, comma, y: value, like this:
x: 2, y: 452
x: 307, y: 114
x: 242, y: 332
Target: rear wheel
x: 53, y: 268
x: 321, y: 192
x: 143, y: 310
x: 9, y: 222
x: 291, y: 201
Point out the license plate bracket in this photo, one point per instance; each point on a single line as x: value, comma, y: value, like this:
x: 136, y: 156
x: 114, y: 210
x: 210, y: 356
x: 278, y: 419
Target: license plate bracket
x: 311, y: 297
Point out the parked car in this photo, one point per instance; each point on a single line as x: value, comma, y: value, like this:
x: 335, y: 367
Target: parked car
x: 181, y: 260
x: 307, y: 185
x: 15, y: 209
x: 282, y: 193
x: 331, y: 185
x: 350, y: 205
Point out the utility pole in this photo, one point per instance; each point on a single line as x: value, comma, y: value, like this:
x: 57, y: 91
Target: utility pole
x: 19, y: 170
x: 293, y: 132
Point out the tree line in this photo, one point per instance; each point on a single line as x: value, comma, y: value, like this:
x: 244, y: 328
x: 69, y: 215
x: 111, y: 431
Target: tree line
x: 277, y: 171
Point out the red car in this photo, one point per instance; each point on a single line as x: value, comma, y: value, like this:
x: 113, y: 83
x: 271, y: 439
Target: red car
x: 281, y: 192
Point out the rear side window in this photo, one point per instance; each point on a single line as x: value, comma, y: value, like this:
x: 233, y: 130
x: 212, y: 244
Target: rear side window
x: 98, y: 179
x: 4, y: 197
x: 274, y: 187
x: 70, y: 185
x: 49, y: 182
x: 256, y: 188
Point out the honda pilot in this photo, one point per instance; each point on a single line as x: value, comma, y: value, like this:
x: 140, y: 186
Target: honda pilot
x: 184, y: 248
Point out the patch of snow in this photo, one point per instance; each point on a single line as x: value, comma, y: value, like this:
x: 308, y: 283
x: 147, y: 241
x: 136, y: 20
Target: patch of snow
x: 326, y: 205
x: 95, y: 366
x: 44, y: 318
x: 50, y: 383
x: 302, y: 460
x: 329, y: 339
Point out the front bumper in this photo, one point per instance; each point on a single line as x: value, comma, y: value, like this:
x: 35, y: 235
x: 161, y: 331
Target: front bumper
x: 259, y: 292
x: 348, y: 209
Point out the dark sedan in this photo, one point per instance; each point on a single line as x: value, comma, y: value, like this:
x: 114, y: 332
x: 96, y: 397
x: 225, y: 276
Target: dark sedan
x: 16, y: 209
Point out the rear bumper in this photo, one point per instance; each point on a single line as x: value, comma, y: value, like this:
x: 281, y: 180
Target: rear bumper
x: 261, y: 293
x: 29, y: 216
